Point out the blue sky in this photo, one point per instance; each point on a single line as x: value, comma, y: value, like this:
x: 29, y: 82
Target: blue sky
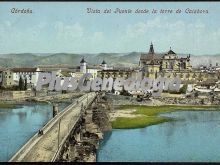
x: 56, y: 27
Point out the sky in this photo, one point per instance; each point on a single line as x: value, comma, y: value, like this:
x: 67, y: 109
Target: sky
x: 66, y: 27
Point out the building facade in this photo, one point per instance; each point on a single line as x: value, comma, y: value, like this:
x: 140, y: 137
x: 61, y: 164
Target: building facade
x: 7, y: 78
x: 170, y: 65
x: 157, y: 64
x: 30, y: 74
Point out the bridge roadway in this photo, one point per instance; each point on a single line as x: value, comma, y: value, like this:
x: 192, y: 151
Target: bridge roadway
x: 43, y: 148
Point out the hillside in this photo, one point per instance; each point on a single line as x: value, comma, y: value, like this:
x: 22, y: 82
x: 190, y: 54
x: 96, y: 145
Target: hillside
x: 113, y: 59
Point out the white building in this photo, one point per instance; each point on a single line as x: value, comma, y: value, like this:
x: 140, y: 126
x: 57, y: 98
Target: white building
x: 25, y: 73
x: 83, y: 66
x: 104, y: 65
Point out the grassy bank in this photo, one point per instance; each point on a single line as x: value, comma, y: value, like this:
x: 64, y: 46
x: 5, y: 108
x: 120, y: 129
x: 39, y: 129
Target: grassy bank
x: 150, y: 115
x: 9, y: 106
x: 138, y: 122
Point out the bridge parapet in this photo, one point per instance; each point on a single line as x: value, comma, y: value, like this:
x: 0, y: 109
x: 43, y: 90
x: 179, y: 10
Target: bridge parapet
x: 55, y: 132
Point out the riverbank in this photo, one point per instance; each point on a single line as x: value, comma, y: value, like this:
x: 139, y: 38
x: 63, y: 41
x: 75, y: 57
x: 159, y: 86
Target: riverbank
x: 61, y: 98
x: 133, y: 116
x: 7, y: 106
x: 192, y: 138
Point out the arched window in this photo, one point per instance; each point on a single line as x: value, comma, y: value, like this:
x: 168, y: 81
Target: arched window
x: 171, y: 65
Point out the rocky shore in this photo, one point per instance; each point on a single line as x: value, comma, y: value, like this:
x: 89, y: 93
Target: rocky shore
x: 206, y: 100
x: 178, y: 100
x: 84, y: 140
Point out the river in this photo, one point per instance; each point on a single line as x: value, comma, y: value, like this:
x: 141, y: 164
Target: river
x: 194, y: 137
x: 18, y: 125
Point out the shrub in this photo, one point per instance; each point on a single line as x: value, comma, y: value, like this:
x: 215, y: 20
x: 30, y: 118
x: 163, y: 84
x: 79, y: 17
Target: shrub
x: 183, y: 89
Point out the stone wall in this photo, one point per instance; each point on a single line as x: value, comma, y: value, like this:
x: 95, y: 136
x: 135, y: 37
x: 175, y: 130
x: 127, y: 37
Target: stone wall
x: 15, y: 94
x: 83, y: 142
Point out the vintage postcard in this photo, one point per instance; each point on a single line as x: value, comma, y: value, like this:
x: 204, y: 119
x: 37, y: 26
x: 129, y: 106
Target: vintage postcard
x: 109, y: 81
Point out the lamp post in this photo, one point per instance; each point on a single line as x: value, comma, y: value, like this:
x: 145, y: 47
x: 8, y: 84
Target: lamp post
x: 58, y: 135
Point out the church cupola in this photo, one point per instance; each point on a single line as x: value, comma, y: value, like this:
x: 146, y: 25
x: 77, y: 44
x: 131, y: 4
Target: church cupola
x: 171, y: 52
x: 82, y: 61
x: 104, y: 65
x: 151, y: 50
x: 83, y: 66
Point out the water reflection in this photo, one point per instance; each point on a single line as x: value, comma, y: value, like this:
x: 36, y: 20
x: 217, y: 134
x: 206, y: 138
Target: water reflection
x: 193, y: 138
x: 17, y: 125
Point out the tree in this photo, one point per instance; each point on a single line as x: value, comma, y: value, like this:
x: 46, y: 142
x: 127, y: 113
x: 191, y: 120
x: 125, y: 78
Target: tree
x: 21, y: 83
x: 161, y: 64
x: 25, y: 84
x: 183, y: 89
x: 156, y: 75
x: 196, y: 94
x: 202, y: 101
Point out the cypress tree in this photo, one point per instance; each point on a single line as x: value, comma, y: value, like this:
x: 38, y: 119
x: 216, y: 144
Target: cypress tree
x: 21, y: 84
x: 25, y: 84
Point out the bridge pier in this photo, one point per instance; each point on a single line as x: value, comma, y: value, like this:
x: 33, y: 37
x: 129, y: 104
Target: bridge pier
x: 84, y: 138
x: 55, y: 109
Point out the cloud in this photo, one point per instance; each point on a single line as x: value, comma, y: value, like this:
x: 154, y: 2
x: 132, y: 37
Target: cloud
x: 184, y: 37
x: 71, y: 31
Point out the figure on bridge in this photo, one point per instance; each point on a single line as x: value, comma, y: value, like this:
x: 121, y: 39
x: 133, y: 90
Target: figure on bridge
x: 40, y: 132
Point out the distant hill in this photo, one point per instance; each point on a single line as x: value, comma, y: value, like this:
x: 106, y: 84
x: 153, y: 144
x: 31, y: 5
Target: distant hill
x: 112, y: 59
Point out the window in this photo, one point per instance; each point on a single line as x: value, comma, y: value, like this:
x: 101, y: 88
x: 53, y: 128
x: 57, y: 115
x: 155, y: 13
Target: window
x: 171, y: 65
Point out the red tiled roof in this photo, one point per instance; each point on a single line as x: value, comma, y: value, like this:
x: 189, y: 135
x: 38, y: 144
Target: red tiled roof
x: 150, y: 56
x: 24, y: 69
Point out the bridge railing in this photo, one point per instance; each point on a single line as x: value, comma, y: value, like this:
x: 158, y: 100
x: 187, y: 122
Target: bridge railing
x: 69, y: 130
x: 45, y: 128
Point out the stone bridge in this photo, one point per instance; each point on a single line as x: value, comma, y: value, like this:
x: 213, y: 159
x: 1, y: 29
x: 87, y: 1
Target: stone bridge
x: 46, y: 147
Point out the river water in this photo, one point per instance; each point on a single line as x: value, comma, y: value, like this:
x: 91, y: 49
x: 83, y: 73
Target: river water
x: 195, y: 136
x: 19, y: 124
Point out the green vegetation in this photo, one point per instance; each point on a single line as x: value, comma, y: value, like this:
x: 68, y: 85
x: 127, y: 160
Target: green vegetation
x: 25, y: 83
x: 138, y: 122
x: 22, y: 84
x: 150, y: 115
x: 13, y: 88
x: 183, y: 89
x: 2, y: 105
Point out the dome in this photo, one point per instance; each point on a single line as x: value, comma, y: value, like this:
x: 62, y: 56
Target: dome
x: 103, y: 62
x: 83, y: 61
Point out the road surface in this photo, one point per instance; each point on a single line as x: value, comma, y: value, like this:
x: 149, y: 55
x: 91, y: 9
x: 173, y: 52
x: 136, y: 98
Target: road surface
x: 43, y: 148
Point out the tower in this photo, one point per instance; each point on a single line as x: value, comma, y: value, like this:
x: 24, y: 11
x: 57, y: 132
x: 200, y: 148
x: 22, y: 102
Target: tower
x: 104, y: 65
x: 150, y: 63
x: 151, y: 50
x: 83, y: 66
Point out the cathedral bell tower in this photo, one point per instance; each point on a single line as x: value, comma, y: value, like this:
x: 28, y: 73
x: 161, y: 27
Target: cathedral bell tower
x: 83, y: 66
